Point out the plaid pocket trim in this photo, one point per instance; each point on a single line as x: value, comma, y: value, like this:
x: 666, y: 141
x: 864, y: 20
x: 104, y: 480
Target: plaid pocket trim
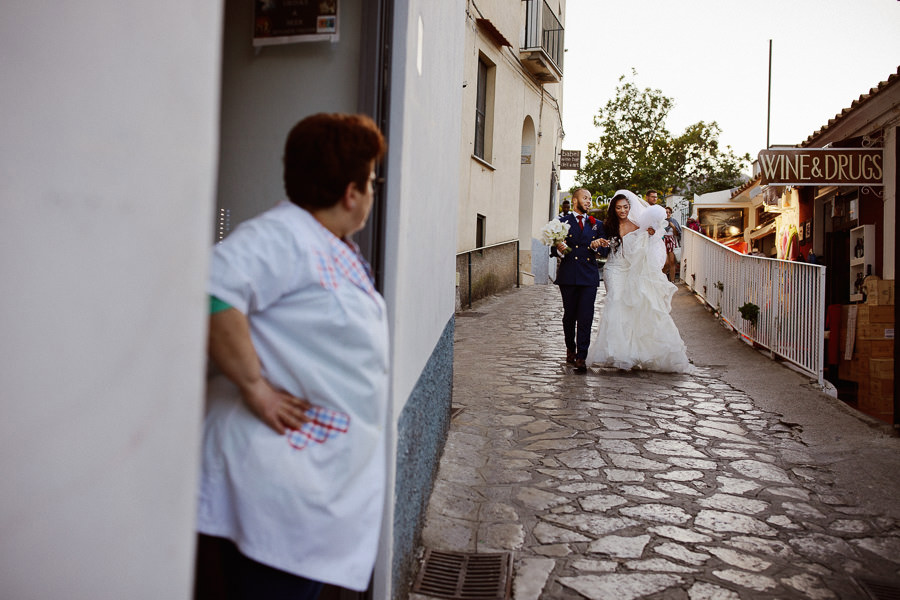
x: 324, y: 425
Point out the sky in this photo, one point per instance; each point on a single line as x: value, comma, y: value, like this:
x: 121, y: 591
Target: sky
x: 712, y: 58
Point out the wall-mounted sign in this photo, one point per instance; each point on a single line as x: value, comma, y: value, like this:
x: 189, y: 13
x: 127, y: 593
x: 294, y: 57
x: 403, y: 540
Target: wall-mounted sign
x: 569, y: 160
x: 822, y: 166
x: 290, y: 21
x: 527, y: 155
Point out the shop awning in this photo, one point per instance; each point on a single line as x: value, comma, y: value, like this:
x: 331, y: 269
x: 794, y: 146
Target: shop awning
x: 763, y: 231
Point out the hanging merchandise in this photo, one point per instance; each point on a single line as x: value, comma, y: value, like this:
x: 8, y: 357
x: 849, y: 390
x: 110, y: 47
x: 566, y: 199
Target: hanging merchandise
x: 790, y: 243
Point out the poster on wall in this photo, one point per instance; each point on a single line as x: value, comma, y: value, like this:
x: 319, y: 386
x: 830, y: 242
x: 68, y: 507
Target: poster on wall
x: 292, y: 21
x: 721, y: 222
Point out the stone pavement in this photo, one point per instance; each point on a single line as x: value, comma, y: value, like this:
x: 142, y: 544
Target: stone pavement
x: 740, y: 481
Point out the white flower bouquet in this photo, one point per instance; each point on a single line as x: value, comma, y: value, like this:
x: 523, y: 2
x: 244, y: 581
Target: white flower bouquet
x: 555, y: 232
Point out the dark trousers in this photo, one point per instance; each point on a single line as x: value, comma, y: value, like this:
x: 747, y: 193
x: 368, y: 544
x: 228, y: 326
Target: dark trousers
x: 223, y: 573
x: 578, y: 316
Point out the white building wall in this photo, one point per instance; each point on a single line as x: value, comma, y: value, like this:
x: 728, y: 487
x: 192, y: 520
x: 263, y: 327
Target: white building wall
x: 422, y: 191
x: 109, y: 129
x: 492, y: 187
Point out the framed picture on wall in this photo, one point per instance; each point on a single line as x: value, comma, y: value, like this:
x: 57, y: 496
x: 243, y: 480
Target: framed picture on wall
x: 721, y: 222
x: 809, y: 228
x: 800, y: 231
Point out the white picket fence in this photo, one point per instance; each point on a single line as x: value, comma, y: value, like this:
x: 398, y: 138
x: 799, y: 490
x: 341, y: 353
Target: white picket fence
x: 790, y: 297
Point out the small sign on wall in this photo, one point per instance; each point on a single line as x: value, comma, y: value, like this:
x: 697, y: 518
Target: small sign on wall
x: 527, y: 155
x: 570, y: 160
x: 291, y: 21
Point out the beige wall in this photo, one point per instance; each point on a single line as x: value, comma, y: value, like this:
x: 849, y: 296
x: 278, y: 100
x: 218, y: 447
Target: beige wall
x: 493, y: 187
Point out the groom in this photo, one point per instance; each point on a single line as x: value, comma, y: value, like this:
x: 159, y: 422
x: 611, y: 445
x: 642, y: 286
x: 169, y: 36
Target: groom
x: 578, y: 277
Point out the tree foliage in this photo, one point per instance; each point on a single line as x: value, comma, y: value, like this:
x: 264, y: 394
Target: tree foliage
x: 637, y: 152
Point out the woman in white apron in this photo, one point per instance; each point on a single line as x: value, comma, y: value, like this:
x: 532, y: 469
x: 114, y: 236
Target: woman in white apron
x: 293, y: 474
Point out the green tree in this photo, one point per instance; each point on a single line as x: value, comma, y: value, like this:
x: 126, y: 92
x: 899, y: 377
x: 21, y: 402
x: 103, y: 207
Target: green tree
x: 637, y: 152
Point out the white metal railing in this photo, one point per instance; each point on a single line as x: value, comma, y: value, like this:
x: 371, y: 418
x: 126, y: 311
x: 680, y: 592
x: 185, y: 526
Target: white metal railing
x: 790, y: 297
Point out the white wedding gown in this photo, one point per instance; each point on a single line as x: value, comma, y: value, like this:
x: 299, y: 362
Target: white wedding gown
x: 636, y: 329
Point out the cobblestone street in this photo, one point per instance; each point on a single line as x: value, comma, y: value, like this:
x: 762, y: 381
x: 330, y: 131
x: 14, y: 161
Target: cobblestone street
x: 740, y: 481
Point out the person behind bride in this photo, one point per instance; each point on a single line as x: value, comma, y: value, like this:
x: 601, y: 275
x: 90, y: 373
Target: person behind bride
x: 636, y: 329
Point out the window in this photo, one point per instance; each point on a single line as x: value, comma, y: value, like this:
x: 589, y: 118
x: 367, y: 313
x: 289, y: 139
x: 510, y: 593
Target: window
x: 480, y: 110
x: 479, y: 231
x: 484, y: 100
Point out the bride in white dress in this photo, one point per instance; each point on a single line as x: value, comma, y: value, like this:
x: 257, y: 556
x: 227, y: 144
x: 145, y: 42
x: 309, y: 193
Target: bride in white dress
x: 636, y: 329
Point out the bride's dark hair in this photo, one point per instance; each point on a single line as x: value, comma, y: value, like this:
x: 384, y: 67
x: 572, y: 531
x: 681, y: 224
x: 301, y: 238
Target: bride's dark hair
x: 611, y: 224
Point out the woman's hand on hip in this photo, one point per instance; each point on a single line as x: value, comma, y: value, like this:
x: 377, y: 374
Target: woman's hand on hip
x: 231, y: 348
x: 277, y: 409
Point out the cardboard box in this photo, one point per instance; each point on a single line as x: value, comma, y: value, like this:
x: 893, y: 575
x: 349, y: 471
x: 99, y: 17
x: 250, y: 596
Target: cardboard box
x: 881, y: 368
x: 882, y: 388
x: 880, y: 407
x: 881, y: 348
x: 881, y: 313
x: 873, y: 331
x: 875, y: 404
x: 863, y: 392
x: 880, y: 292
x: 873, y: 313
x: 854, y: 370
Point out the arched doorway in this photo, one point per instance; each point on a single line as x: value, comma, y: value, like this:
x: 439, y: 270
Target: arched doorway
x: 526, y: 202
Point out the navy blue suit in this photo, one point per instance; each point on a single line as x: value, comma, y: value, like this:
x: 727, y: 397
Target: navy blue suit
x: 578, y: 276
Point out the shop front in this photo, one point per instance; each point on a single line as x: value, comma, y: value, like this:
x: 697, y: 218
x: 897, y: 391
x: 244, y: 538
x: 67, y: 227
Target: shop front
x: 834, y: 198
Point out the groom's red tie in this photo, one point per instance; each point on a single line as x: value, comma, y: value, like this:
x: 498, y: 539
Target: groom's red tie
x: 581, y: 222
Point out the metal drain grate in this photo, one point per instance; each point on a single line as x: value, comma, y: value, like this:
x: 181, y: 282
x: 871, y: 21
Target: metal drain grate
x: 457, y: 575
x: 879, y: 590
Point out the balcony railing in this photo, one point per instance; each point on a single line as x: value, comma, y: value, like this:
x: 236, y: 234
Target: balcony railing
x: 542, y: 52
x: 790, y: 297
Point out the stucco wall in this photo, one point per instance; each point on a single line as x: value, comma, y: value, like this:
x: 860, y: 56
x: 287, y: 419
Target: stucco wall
x: 420, y: 229
x: 515, y: 205
x: 108, y: 170
x: 422, y: 430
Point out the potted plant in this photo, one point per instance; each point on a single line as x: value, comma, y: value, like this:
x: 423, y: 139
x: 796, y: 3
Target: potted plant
x: 750, y: 312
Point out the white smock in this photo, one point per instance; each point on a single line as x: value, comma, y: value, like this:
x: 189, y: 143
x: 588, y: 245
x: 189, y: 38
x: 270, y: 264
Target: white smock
x: 309, y: 502
x: 636, y: 329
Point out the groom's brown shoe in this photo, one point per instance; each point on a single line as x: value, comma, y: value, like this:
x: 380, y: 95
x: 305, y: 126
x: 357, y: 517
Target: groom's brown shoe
x: 570, y: 357
x: 580, y: 367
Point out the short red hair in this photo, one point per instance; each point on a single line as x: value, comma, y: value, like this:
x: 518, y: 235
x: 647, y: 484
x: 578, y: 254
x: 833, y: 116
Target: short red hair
x: 324, y: 153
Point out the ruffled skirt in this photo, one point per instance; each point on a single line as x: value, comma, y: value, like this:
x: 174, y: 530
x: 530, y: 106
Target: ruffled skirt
x: 636, y: 329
